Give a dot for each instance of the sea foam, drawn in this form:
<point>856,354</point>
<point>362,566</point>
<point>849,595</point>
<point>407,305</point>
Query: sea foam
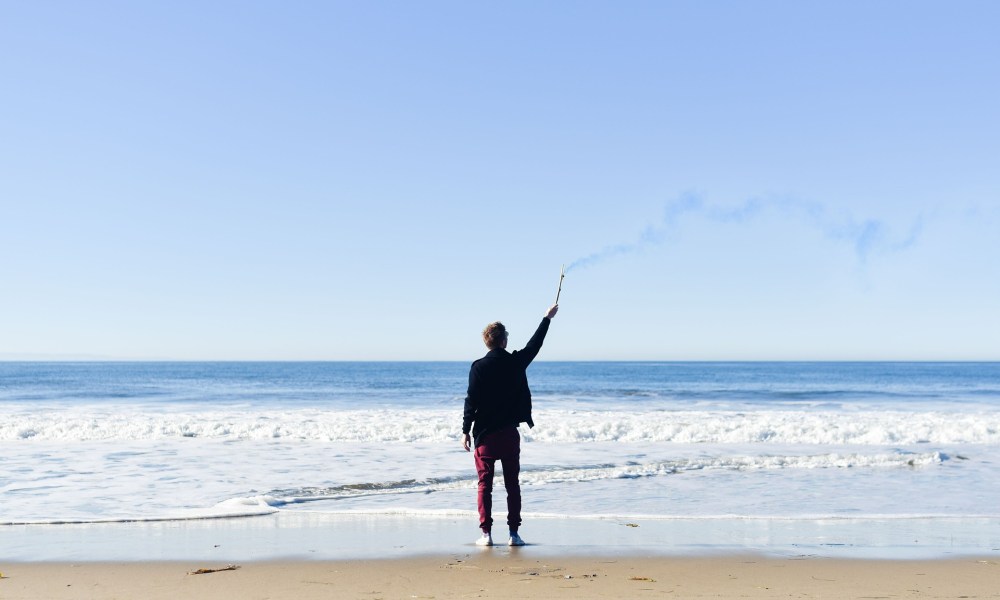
<point>553,426</point>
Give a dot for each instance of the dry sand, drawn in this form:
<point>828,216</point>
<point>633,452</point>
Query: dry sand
<point>503,574</point>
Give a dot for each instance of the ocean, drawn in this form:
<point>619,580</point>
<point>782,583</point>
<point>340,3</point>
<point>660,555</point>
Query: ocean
<point>126,442</point>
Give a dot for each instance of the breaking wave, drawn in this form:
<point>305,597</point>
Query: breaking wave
<point>553,426</point>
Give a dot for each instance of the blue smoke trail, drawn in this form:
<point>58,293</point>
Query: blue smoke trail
<point>867,237</point>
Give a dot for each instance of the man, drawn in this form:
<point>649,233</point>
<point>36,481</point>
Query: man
<point>497,402</point>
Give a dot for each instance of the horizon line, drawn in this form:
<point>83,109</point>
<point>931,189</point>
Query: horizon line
<point>97,360</point>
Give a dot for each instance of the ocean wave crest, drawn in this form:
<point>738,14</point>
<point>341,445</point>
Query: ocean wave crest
<point>553,426</point>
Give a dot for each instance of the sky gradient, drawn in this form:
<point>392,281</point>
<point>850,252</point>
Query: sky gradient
<point>377,181</point>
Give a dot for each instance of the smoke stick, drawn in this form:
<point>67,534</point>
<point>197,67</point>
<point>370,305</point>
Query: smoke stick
<point>562,274</point>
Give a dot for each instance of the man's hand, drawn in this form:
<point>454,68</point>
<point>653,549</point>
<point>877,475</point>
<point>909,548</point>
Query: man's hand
<point>466,442</point>
<point>552,311</point>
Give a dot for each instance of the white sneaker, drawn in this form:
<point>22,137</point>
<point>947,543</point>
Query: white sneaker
<point>485,540</point>
<point>515,540</point>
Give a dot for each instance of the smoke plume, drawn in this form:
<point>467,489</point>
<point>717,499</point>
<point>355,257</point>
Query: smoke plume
<point>867,236</point>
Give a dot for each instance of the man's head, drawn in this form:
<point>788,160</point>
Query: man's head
<point>495,335</point>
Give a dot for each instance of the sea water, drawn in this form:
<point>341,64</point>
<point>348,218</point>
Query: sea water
<point>117,442</point>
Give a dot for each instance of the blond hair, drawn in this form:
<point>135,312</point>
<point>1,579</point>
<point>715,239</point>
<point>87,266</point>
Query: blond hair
<point>494,335</point>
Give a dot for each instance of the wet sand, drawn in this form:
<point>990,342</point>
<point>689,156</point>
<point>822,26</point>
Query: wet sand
<point>506,573</point>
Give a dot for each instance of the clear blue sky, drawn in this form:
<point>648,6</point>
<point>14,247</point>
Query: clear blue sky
<point>378,180</point>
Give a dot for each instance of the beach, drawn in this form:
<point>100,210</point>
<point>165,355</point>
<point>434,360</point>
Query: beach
<point>280,285</point>
<point>301,556</point>
<point>723,480</point>
<point>510,574</point>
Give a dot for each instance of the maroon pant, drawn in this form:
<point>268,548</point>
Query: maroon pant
<point>505,446</point>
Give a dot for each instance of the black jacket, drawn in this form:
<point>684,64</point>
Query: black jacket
<point>498,394</point>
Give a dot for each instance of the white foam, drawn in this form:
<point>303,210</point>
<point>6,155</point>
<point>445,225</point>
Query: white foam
<point>228,509</point>
<point>554,426</point>
<point>538,476</point>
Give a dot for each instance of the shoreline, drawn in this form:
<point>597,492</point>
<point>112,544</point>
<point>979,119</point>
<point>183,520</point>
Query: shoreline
<point>307,536</point>
<point>305,555</point>
<point>511,573</point>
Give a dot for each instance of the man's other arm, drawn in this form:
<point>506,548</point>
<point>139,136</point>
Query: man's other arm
<point>469,414</point>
